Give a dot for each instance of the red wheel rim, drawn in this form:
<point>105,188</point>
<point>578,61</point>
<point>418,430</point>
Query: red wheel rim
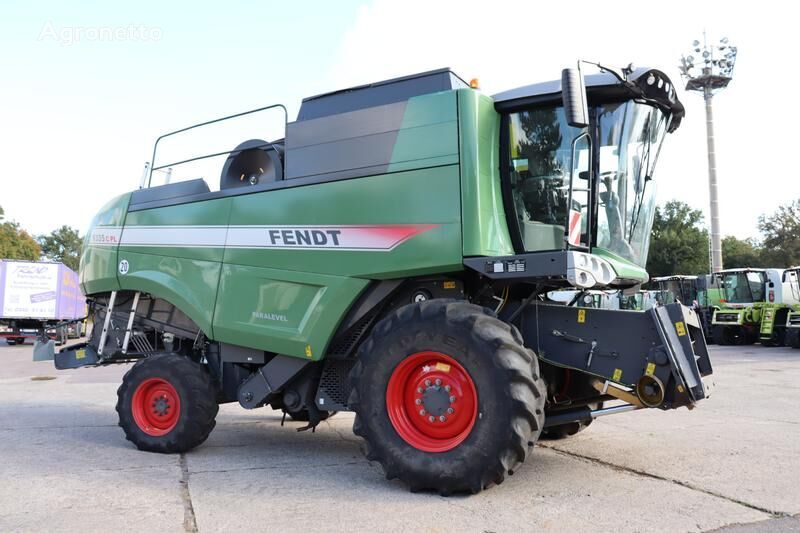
<point>431,401</point>
<point>156,407</point>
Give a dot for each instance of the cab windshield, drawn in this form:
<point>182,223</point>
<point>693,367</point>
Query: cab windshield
<point>793,278</point>
<point>550,186</point>
<point>744,287</point>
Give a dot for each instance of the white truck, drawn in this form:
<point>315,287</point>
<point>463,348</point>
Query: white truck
<point>37,298</point>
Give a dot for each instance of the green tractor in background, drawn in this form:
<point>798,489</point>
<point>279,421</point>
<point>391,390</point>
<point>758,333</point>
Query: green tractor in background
<point>754,306</point>
<point>390,256</point>
<point>791,277</point>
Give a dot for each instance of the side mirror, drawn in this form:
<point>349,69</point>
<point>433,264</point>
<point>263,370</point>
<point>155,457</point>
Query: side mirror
<point>573,93</point>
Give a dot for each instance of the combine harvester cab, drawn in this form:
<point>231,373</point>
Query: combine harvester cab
<point>754,306</point>
<point>391,255</point>
<point>792,278</point>
<point>697,292</point>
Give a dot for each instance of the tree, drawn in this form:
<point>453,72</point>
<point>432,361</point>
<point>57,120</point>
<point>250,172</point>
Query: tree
<point>15,242</point>
<point>679,242</point>
<point>781,233</point>
<point>62,245</point>
<point>542,141</point>
<point>737,253</point>
<point>539,145</point>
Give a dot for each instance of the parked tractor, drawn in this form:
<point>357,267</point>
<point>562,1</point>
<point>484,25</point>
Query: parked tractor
<point>390,256</point>
<point>755,307</point>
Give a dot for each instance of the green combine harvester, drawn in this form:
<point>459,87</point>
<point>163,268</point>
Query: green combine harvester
<point>390,256</point>
<point>754,306</point>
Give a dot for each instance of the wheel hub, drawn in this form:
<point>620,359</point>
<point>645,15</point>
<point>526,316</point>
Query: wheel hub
<point>161,406</point>
<point>431,401</point>
<point>156,407</point>
<point>436,400</point>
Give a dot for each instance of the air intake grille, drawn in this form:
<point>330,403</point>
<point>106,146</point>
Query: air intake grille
<point>343,344</point>
<point>334,386</point>
<point>730,318</point>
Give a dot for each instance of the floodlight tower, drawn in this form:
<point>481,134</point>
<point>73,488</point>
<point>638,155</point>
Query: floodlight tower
<point>710,69</point>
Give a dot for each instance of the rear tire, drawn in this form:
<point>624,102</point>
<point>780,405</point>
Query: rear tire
<point>167,404</point>
<point>480,386</point>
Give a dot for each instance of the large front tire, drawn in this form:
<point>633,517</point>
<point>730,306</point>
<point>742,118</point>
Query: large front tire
<point>778,338</point>
<point>725,336</point>
<point>793,338</point>
<point>446,397</point>
<point>167,404</point>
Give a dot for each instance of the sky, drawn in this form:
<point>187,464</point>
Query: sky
<point>86,88</point>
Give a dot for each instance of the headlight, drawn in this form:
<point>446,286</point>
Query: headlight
<point>587,270</point>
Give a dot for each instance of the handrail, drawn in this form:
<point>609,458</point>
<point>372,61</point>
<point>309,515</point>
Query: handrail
<point>155,146</point>
<point>580,245</point>
<point>208,156</point>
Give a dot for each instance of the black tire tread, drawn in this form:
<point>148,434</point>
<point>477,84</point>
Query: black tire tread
<point>202,396</point>
<point>724,337</point>
<point>521,367</point>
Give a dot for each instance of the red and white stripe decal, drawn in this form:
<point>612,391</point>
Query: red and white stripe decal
<point>574,227</point>
<point>350,237</point>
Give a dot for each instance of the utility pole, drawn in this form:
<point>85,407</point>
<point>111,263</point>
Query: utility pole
<point>710,72</point>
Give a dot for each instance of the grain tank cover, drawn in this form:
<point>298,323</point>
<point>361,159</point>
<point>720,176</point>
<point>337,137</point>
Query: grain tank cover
<point>379,93</point>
